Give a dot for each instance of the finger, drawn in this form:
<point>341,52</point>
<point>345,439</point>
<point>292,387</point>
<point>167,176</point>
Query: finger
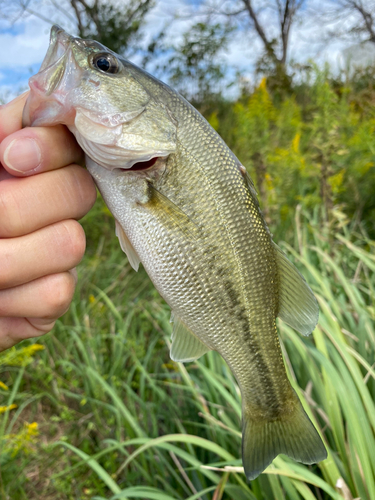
<point>14,330</point>
<point>50,250</point>
<point>4,174</point>
<point>31,203</point>
<point>47,298</point>
<point>11,115</point>
<point>39,149</point>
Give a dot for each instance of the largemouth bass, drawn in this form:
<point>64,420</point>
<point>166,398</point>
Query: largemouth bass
<point>186,209</point>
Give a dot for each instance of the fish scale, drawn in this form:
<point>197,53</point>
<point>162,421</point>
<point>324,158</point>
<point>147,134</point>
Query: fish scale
<point>192,218</point>
<point>243,226</point>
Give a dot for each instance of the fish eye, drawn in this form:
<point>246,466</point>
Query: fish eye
<point>105,62</point>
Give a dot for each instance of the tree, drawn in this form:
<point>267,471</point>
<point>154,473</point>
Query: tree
<point>271,21</point>
<point>351,19</point>
<point>115,24</point>
<point>192,68</point>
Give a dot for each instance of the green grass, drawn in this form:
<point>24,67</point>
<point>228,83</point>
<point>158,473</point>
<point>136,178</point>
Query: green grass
<point>117,419</point>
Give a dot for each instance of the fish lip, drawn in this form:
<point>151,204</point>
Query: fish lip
<point>41,107</point>
<point>43,114</point>
<point>47,103</point>
<point>58,39</point>
<point>57,31</point>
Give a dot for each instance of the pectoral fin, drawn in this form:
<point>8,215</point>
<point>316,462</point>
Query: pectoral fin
<point>298,307</point>
<point>176,215</point>
<point>185,345</point>
<point>127,247</point>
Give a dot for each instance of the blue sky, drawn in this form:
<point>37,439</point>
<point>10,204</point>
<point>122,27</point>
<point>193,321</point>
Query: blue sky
<point>27,40</point>
<point>24,45</point>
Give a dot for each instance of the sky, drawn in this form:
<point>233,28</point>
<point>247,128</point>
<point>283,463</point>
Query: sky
<point>26,41</point>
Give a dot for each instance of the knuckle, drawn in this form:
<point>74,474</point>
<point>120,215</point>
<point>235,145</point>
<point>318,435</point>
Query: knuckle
<point>7,263</point>
<point>59,294</point>
<point>86,190</point>
<point>71,240</point>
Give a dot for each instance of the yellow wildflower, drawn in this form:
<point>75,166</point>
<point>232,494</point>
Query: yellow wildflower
<point>263,83</point>
<point>24,440</point>
<point>35,347</point>
<point>20,357</point>
<point>295,142</point>
<point>3,409</point>
<point>336,181</point>
<point>32,429</point>
<point>3,386</point>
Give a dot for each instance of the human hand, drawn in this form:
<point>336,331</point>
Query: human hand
<point>40,240</point>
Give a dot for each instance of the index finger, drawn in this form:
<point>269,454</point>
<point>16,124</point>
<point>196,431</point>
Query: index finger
<point>11,115</point>
<point>33,150</point>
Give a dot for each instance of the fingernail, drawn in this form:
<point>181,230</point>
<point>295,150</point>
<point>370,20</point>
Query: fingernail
<point>23,155</point>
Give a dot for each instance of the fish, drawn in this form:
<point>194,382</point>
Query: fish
<point>186,208</point>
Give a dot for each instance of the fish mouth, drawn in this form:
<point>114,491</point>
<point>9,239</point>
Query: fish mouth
<point>58,44</point>
<point>47,102</point>
<point>152,164</point>
<point>142,165</point>
<point>66,90</point>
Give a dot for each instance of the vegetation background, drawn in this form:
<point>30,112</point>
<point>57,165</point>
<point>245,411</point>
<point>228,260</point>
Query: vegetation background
<point>97,410</point>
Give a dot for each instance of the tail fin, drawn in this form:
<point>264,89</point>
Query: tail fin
<point>293,435</point>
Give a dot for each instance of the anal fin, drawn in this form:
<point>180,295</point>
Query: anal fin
<point>127,247</point>
<point>185,345</point>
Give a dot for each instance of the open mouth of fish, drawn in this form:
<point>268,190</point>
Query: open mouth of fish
<point>46,104</point>
<point>143,165</point>
<point>113,139</point>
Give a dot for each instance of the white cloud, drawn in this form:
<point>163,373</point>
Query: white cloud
<point>27,48</point>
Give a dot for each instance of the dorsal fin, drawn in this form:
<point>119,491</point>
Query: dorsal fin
<point>185,345</point>
<point>298,307</point>
<point>249,181</point>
